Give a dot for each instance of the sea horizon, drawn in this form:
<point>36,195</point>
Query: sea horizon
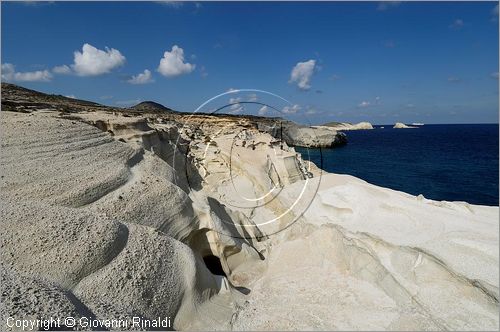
<point>222,166</point>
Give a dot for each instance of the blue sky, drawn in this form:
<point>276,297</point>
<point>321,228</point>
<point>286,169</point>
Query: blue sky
<point>430,62</point>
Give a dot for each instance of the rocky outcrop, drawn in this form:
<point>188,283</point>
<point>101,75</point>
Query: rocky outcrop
<point>81,232</point>
<point>303,136</point>
<point>19,99</point>
<point>349,126</point>
<point>400,125</point>
<point>216,224</point>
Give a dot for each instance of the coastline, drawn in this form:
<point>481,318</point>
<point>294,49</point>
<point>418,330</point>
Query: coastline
<point>142,210</point>
<point>437,162</point>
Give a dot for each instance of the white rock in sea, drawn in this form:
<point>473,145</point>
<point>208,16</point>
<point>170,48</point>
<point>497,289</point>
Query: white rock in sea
<point>400,125</point>
<point>303,136</point>
<point>108,216</point>
<point>349,126</point>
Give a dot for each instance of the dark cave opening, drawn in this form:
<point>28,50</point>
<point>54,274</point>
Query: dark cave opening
<point>213,264</point>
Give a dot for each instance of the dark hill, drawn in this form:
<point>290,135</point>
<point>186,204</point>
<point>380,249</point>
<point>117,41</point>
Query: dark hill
<point>151,107</point>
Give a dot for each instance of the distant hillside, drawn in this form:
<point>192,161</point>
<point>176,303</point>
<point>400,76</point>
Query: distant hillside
<point>151,107</point>
<point>17,98</point>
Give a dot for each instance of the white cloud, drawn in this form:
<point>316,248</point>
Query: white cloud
<point>172,64</point>
<point>92,61</point>
<point>252,97</point>
<point>494,75</point>
<point>236,107</point>
<point>63,70</point>
<point>291,110</point>
<point>236,110</point>
<point>384,5</point>
<point>141,78</point>
<point>263,110</point>
<point>203,72</point>
<point>105,97</point>
<point>453,79</point>
<point>311,111</point>
<point>494,11</point>
<point>232,90</point>
<point>364,104</point>
<point>9,74</point>
<point>70,96</point>
<point>457,24</point>
<point>173,4</point>
<point>302,74</point>
<point>234,100</point>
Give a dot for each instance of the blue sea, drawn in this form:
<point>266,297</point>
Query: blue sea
<point>442,162</point>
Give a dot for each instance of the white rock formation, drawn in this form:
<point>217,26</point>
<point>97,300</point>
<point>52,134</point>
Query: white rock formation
<point>373,258</point>
<point>400,125</point>
<point>349,126</point>
<point>114,216</point>
<point>303,136</point>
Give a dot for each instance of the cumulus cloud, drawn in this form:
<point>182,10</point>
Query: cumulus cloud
<point>172,64</point>
<point>141,78</point>
<point>291,109</point>
<point>235,107</point>
<point>63,70</point>
<point>302,73</point>
<point>234,100</point>
<point>9,74</point>
<point>385,5</point>
<point>92,61</point>
<point>457,24</point>
<point>366,103</point>
<point>263,110</point>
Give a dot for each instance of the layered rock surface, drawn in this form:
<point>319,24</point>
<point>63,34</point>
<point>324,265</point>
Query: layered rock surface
<point>303,136</point>
<point>219,225</point>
